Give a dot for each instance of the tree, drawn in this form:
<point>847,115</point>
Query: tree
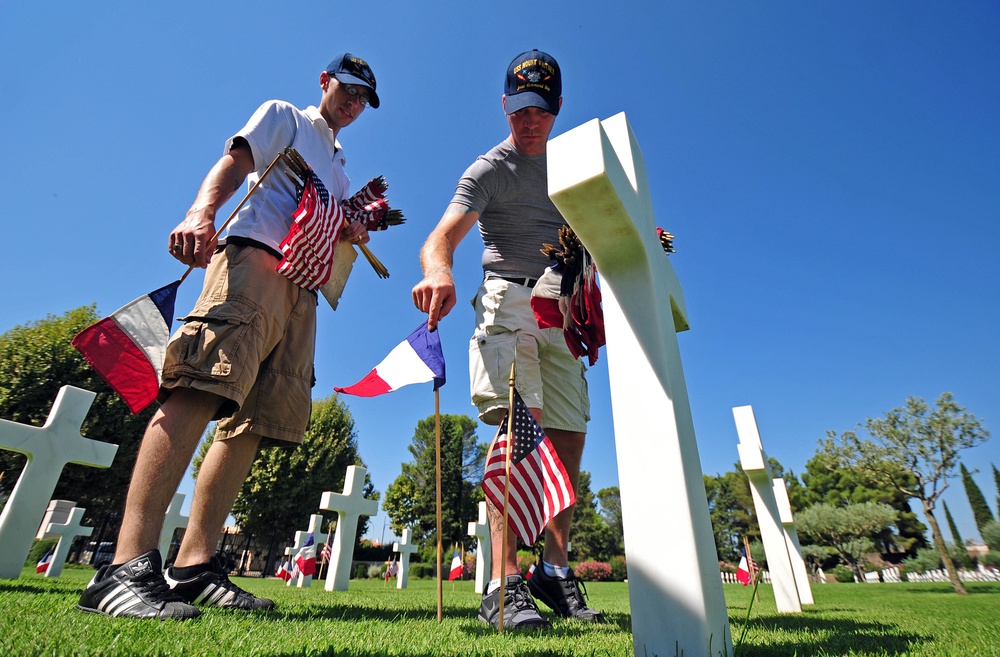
<point>825,480</point>
<point>917,441</point>
<point>591,537</point>
<point>285,484</point>
<point>610,500</point>
<point>996,480</point>
<point>35,361</point>
<point>980,509</point>
<point>847,529</point>
<point>410,499</point>
<point>955,536</point>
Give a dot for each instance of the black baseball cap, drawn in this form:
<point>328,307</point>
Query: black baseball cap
<point>533,80</point>
<point>353,70</point>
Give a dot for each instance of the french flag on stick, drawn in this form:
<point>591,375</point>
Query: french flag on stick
<point>417,359</point>
<point>127,348</point>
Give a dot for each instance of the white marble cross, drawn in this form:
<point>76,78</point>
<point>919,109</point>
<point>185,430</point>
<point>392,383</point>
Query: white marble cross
<point>172,521</point>
<point>350,506</point>
<point>58,511</point>
<point>481,530</point>
<point>754,463</point>
<point>48,449</point>
<point>597,180</point>
<point>315,526</point>
<point>405,549</point>
<point>802,584</point>
<point>66,532</point>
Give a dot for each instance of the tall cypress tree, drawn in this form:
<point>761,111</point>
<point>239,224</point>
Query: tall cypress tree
<point>980,509</point>
<point>996,478</point>
<point>955,536</point>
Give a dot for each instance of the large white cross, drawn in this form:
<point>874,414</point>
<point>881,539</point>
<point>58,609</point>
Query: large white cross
<point>802,584</point>
<point>48,449</point>
<point>66,531</point>
<point>597,180</point>
<point>754,463</point>
<point>405,549</point>
<point>350,506</point>
<point>172,521</point>
<point>481,530</point>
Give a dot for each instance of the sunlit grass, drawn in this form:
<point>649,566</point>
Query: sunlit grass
<point>37,617</point>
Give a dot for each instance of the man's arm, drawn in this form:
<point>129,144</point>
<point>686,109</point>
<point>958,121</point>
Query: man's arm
<point>191,242</point>
<point>435,295</point>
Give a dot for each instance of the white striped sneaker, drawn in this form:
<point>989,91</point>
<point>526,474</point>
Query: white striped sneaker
<point>135,590</point>
<point>212,588</point>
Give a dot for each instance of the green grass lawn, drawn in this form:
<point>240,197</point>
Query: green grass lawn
<point>37,617</point>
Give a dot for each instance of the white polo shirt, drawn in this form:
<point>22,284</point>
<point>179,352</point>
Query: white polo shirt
<point>275,125</point>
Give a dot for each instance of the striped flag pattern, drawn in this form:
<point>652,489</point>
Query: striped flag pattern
<point>539,485</point>
<point>316,226</point>
<point>127,348</point>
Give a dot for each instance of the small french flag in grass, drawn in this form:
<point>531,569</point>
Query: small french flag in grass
<point>417,359</point>
<point>127,348</point>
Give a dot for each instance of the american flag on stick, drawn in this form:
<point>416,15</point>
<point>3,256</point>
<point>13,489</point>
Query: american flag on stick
<point>539,485</point>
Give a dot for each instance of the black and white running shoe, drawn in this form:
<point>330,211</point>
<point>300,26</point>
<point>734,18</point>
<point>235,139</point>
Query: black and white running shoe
<point>212,588</point>
<point>519,612</point>
<point>135,590</point>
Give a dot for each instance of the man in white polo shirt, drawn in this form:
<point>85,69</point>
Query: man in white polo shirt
<point>244,356</point>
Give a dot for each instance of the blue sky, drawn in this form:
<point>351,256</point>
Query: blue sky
<point>831,172</point>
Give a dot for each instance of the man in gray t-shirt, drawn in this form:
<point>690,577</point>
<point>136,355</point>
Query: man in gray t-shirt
<point>505,191</point>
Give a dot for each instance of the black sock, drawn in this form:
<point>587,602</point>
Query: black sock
<point>187,572</point>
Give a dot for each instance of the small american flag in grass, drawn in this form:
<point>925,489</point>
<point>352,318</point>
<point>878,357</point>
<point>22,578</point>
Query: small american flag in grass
<point>539,486</point>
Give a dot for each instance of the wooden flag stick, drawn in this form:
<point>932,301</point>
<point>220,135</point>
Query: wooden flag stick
<point>238,207</point>
<point>437,447</point>
<point>322,565</point>
<point>506,499</point>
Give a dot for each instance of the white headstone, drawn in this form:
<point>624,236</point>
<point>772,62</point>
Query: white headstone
<point>58,512</point>
<point>405,549</point>
<point>315,527</point>
<point>597,180</point>
<point>350,506</point>
<point>172,521</point>
<point>293,552</point>
<point>481,530</point>
<point>802,584</point>
<point>66,531</point>
<point>48,449</point>
<point>772,534</point>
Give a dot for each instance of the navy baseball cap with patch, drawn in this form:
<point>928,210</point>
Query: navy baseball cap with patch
<point>533,80</point>
<point>353,70</point>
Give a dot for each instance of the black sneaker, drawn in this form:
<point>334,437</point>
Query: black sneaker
<point>212,588</point>
<point>135,590</point>
<point>519,609</point>
<point>563,596</point>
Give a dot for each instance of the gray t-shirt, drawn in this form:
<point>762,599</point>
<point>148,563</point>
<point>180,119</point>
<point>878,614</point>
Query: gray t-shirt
<point>510,192</point>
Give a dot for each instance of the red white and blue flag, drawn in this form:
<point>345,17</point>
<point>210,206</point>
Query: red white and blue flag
<point>325,553</point>
<point>539,485</point>
<point>306,559</point>
<point>44,563</point>
<point>127,347</point>
<point>745,571</point>
<point>456,567</point>
<point>531,571</point>
<point>283,572</point>
<point>417,359</point>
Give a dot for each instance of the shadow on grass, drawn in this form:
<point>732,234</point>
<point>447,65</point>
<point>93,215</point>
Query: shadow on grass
<point>805,635</point>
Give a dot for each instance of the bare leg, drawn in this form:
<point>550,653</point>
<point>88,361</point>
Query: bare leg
<point>219,480</point>
<point>569,447</point>
<point>167,446</point>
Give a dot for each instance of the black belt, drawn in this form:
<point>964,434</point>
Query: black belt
<point>248,241</point>
<point>526,282</point>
